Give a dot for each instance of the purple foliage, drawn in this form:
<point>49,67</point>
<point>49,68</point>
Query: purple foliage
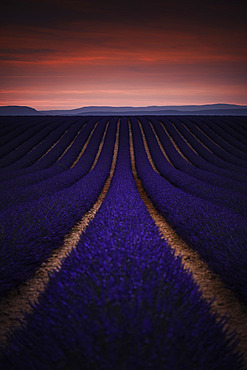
<point>221,138</point>
<point>217,235</point>
<point>27,177</point>
<point>232,200</point>
<point>10,198</point>
<point>17,149</point>
<point>35,149</point>
<point>30,232</point>
<point>213,162</point>
<point>198,160</point>
<point>229,160</point>
<point>12,129</point>
<point>194,168</point>
<point>235,128</point>
<point>121,300</point>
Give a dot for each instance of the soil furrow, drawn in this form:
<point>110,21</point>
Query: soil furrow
<point>208,137</point>
<point>180,134</point>
<point>100,147</point>
<point>160,145</point>
<point>147,149</point>
<point>19,301</point>
<point>224,302</point>
<point>195,137</point>
<point>72,142</point>
<point>214,142</point>
<point>53,145</point>
<point>40,142</point>
<point>84,146</point>
<point>175,145</point>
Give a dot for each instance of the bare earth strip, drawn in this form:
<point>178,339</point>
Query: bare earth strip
<point>225,304</point>
<point>18,302</point>
<point>100,147</point>
<point>24,142</point>
<point>72,142</point>
<point>196,138</point>
<point>146,148</point>
<point>209,138</point>
<point>33,147</point>
<point>160,145</point>
<point>52,146</point>
<point>226,161</point>
<point>180,134</point>
<point>85,145</point>
<point>174,144</point>
<point>212,140</point>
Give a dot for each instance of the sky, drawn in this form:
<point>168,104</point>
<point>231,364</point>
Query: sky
<point>69,53</point>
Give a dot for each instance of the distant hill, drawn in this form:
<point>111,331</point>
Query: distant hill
<point>213,109</point>
<point>16,110</point>
<point>207,109</point>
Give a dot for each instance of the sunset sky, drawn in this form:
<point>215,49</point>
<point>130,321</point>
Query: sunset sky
<point>70,53</point>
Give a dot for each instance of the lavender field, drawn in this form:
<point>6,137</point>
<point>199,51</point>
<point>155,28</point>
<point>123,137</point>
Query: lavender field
<point>123,242</point>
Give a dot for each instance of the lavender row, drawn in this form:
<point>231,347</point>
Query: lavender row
<point>24,142</point>
<point>212,129</point>
<point>15,138</point>
<point>121,300</point>
<point>34,155</point>
<point>45,144</point>
<point>8,125</point>
<point>11,198</point>
<point>64,135</point>
<point>229,159</point>
<point>242,124</point>
<point>30,233</point>
<point>27,177</point>
<point>12,127</point>
<point>22,152</point>
<point>217,129</point>
<point>196,159</point>
<point>218,237</point>
<point>23,133</point>
<point>203,151</point>
<point>52,155</point>
<point>189,168</point>
<point>234,201</point>
<point>230,127</point>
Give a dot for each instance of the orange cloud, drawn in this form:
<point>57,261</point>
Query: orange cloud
<point>142,58</point>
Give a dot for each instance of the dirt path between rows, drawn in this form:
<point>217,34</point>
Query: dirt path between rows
<point>225,303</point>
<point>84,146</point>
<point>160,145</point>
<point>70,145</point>
<point>18,302</point>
